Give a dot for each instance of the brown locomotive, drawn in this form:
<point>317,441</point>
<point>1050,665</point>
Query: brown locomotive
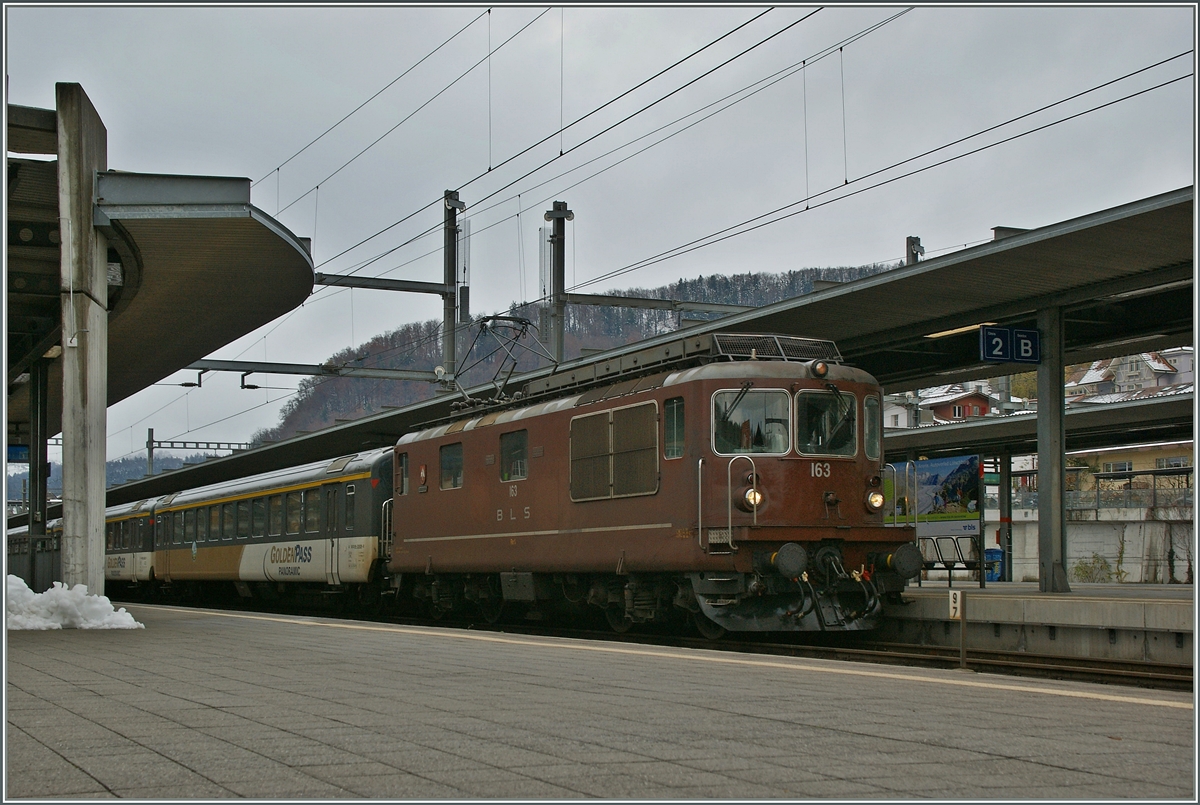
<point>735,478</point>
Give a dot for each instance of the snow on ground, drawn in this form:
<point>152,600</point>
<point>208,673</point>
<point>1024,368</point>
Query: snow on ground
<point>60,608</point>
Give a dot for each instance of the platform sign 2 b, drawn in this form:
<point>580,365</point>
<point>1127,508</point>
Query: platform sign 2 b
<point>1009,345</point>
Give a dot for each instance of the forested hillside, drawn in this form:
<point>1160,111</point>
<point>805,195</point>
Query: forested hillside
<point>321,401</point>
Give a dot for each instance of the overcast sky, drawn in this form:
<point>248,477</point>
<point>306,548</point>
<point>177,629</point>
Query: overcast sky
<point>238,91</point>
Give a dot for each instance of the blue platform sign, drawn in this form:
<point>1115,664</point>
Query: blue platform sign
<point>1027,346</point>
<point>18,454</point>
<point>995,344</point>
<point>1008,345</point>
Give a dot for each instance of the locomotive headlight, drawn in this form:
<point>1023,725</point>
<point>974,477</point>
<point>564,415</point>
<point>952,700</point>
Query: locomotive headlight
<point>874,500</point>
<point>819,368</point>
<point>749,499</point>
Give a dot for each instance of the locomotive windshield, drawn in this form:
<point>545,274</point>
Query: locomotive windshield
<point>747,421</point>
<point>826,423</point>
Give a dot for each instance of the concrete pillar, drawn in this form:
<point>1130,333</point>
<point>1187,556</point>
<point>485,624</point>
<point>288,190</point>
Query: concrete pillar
<point>1052,440</point>
<point>82,150</point>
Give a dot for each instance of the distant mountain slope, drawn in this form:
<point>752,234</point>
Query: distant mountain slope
<point>321,401</point>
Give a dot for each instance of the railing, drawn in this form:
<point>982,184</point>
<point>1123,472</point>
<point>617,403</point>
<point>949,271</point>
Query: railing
<point>1107,494</point>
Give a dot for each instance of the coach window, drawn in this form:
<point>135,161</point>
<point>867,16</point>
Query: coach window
<point>259,524</point>
<point>177,532</point>
<point>189,525</point>
<point>452,465</point>
<point>108,545</point>
<point>275,515</point>
<point>312,511</point>
<point>402,466</point>
<point>871,427</point>
<point>513,456</point>
<point>673,428</point>
<point>243,519</point>
<point>228,521</point>
<point>214,523</point>
<point>349,507</point>
<point>201,524</point>
<point>293,512</point>
<point>825,423</point>
<point>751,421</point>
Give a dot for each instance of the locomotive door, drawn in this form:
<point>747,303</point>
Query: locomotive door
<point>329,507</point>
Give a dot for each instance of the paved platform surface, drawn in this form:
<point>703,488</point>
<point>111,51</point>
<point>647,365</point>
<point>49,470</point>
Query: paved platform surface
<point>204,704</point>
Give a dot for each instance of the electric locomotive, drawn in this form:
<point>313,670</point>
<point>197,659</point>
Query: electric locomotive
<point>735,479</point>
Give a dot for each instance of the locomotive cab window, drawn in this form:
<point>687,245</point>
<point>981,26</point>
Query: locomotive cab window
<point>872,427</point>
<point>751,421</point>
<point>826,423</point>
<point>452,465</point>
<point>673,428</point>
<point>514,456</point>
<point>402,477</point>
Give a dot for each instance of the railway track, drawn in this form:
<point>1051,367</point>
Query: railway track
<point>1160,676</point>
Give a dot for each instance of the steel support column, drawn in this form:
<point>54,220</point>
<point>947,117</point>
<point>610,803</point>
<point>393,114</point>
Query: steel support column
<point>450,280</point>
<point>558,292</point>
<point>1051,440</point>
<point>1005,462</point>
<point>82,150</point>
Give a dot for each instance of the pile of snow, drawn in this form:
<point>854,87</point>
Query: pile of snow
<point>60,608</point>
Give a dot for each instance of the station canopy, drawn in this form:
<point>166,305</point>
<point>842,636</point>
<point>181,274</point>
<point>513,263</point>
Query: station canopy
<point>192,266</point>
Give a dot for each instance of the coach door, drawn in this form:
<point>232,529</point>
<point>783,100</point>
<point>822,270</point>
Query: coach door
<point>329,506</point>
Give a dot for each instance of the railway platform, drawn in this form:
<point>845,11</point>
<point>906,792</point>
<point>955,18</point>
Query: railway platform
<point>1131,622</point>
<point>215,704</point>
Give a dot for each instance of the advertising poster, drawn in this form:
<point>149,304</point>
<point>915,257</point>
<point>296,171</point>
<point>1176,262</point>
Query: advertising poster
<point>947,502</point>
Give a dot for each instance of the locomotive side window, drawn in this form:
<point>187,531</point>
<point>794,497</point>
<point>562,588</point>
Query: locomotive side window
<point>349,507</point>
<point>293,512</point>
<point>673,427</point>
<point>751,421</point>
<point>312,511</point>
<point>452,465</point>
<point>275,516</point>
<point>259,525</point>
<point>826,423</point>
<point>615,453</point>
<point>872,426</point>
<point>514,465</point>
<point>402,468</point>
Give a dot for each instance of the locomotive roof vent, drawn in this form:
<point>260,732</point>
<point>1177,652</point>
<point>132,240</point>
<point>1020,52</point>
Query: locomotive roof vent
<point>774,347</point>
<point>339,464</point>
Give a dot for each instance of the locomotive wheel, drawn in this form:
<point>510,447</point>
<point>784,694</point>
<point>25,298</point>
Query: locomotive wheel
<point>617,620</point>
<point>492,609</point>
<point>706,627</point>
